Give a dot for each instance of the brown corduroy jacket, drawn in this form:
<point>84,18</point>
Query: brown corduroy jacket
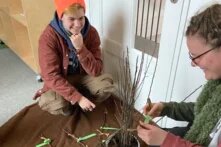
<point>54,60</point>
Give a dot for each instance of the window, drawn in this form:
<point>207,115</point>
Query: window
<point>148,25</point>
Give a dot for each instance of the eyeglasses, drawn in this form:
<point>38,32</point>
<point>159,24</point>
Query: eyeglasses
<point>194,58</point>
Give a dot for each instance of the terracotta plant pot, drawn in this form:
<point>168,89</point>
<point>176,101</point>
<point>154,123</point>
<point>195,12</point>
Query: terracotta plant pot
<point>113,141</point>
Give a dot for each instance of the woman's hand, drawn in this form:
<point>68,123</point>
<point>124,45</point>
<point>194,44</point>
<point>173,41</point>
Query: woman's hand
<point>150,134</point>
<point>86,104</point>
<point>153,110</point>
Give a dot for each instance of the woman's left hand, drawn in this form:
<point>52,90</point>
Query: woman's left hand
<point>150,134</point>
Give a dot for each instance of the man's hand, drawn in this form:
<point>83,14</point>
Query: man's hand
<point>150,134</point>
<point>77,41</point>
<point>85,104</point>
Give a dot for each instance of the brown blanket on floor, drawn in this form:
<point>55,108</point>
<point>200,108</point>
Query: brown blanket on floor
<point>26,127</point>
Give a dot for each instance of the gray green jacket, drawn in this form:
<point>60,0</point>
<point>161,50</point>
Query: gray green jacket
<point>202,115</point>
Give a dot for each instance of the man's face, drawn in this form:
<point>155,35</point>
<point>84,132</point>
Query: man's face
<point>205,57</point>
<point>74,23</point>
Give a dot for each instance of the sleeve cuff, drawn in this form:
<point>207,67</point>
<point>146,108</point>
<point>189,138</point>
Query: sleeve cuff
<point>75,98</point>
<point>166,109</point>
<point>168,140</point>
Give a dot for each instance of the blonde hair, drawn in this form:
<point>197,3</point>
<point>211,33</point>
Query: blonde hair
<point>207,24</point>
<point>72,9</point>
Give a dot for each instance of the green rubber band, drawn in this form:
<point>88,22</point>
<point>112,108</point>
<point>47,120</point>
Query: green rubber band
<point>46,141</point>
<point>147,118</point>
<point>86,137</point>
<point>109,128</point>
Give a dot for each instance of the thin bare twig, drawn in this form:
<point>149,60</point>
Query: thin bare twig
<point>128,89</point>
<point>119,122</point>
<point>102,133</point>
<point>43,137</point>
<point>151,84</point>
<point>131,130</point>
<point>105,117</point>
<point>75,138</point>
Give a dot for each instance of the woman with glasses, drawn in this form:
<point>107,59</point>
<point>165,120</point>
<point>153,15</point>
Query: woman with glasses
<point>204,116</point>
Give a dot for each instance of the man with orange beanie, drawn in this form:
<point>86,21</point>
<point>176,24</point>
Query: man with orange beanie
<point>69,49</point>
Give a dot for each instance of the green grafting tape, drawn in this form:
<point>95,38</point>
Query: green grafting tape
<point>147,118</point>
<point>109,128</point>
<point>86,137</point>
<point>46,141</point>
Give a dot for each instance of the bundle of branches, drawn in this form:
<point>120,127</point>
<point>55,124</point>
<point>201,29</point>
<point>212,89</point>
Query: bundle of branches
<point>129,86</point>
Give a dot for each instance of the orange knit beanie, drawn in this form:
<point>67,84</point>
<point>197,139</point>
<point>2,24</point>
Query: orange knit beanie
<point>61,5</point>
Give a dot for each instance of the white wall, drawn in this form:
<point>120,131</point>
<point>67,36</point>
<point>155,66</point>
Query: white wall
<point>175,78</point>
<point>116,26</point>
